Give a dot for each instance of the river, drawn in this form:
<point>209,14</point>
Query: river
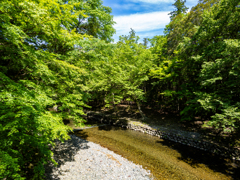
<point>165,159</point>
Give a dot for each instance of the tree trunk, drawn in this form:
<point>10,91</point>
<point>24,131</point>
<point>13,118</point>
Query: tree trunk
<point>114,106</point>
<point>139,108</point>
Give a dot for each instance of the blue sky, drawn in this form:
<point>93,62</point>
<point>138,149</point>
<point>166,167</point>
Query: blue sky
<point>147,17</point>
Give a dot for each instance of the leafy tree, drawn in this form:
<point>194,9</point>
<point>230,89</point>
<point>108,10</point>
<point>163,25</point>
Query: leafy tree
<point>158,48</point>
<point>145,42</point>
<point>180,8</point>
<point>121,75</point>
<point>132,38</point>
<point>185,25</point>
<point>213,55</point>
<point>178,79</point>
<point>95,19</point>
<point>93,56</point>
<point>173,76</point>
<point>39,87</point>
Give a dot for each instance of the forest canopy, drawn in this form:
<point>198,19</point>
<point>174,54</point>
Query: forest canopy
<point>57,58</point>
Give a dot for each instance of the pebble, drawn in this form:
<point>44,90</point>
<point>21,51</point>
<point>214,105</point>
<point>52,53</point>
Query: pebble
<point>79,159</point>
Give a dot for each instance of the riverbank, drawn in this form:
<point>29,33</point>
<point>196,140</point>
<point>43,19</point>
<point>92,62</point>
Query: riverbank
<point>165,159</point>
<point>167,130</point>
<point>83,160</point>
<point>70,168</point>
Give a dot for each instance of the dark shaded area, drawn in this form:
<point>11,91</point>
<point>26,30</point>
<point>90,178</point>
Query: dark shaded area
<point>196,157</point>
<point>81,134</point>
<point>66,121</point>
<point>64,152</point>
<point>164,118</point>
<point>110,128</point>
<point>106,118</point>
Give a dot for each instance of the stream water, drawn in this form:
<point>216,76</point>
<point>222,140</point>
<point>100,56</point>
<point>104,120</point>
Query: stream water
<point>165,159</point>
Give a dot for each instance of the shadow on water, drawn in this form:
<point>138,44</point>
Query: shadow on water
<point>198,158</point>
<point>81,134</point>
<point>110,128</point>
<point>65,152</point>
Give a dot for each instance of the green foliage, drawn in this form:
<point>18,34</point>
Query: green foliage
<point>95,19</point>
<point>121,74</point>
<point>39,85</point>
<point>180,8</point>
<point>228,120</point>
<point>217,55</point>
<point>51,65</point>
<point>158,48</point>
<point>185,25</point>
<point>26,128</point>
<point>196,64</point>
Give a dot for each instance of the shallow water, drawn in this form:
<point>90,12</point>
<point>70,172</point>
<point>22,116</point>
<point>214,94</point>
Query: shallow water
<point>165,159</point>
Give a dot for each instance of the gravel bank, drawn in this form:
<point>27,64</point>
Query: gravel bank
<point>79,159</point>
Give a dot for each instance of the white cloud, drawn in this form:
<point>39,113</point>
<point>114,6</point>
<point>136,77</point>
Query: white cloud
<point>141,22</point>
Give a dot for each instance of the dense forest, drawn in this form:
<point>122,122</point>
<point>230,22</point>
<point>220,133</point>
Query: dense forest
<point>57,58</point>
